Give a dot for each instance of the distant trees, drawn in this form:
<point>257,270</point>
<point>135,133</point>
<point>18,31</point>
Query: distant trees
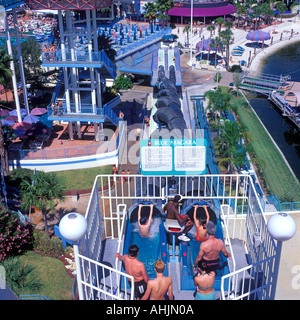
<point>158,10</point>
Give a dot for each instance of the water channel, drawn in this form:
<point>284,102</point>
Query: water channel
<point>284,62</point>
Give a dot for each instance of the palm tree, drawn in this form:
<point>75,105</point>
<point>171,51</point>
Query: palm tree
<point>219,21</point>
<point>42,193</point>
<point>5,71</point>
<point>229,145</point>
<point>281,7</point>
<point>187,29</point>
<point>211,28</point>
<point>150,11</point>
<point>239,11</point>
<point>216,44</point>
<point>218,101</point>
<point>227,37</point>
<point>104,44</point>
<point>162,7</point>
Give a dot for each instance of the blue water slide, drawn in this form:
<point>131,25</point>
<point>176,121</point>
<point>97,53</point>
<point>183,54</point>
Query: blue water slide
<point>190,252</point>
<point>151,248</point>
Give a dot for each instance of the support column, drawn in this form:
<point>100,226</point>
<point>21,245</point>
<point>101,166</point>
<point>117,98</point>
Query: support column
<point>21,67</point>
<point>63,52</point>
<point>96,131</point>
<point>12,67</point>
<point>71,130</point>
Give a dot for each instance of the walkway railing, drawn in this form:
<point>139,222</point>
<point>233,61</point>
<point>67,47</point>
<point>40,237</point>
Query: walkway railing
<point>81,57</point>
<point>256,280</point>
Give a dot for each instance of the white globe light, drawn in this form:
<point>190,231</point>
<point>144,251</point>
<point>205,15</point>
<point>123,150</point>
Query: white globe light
<point>281,226</point>
<point>73,226</point>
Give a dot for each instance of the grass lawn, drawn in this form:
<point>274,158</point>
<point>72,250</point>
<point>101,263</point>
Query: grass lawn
<point>82,179</point>
<point>57,284</point>
<point>277,174</point>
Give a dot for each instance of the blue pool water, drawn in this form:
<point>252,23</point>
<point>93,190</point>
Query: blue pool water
<point>149,247</point>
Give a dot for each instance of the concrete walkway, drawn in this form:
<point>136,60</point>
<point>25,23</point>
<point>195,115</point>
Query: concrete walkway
<point>276,31</point>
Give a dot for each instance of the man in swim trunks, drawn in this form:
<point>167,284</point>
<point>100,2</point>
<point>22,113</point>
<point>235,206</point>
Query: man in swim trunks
<point>144,223</point>
<point>158,288</point>
<point>210,249</point>
<point>184,220</point>
<point>135,268</point>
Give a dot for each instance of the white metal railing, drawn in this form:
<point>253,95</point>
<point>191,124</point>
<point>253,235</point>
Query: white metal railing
<point>112,194</point>
<point>224,219</point>
<point>101,282</point>
<point>256,280</point>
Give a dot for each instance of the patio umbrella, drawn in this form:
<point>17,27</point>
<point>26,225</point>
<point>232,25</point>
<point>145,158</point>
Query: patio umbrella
<point>19,132</point>
<point>5,122</point>
<point>12,118</point>
<point>258,35</point>
<point>31,119</point>
<point>22,125</point>
<point>4,112</point>
<point>38,111</point>
<point>14,112</point>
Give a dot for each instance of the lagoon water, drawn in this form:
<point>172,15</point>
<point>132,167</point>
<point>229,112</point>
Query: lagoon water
<point>284,62</point>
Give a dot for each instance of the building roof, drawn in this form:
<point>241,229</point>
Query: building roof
<point>204,11</point>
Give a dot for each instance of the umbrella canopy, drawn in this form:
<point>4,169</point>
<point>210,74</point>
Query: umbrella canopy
<point>14,112</point>
<point>206,45</point>
<point>4,112</point>
<point>31,119</point>
<point>38,111</point>
<point>258,35</point>
<point>22,126</point>
<point>7,122</point>
<point>19,132</point>
<point>11,118</point>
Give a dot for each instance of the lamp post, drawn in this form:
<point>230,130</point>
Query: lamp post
<point>281,227</point>
<point>191,52</point>
<point>72,227</point>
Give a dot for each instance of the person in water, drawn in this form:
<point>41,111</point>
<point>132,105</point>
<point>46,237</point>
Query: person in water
<point>144,222</point>
<point>161,287</point>
<point>201,234</point>
<point>211,248</point>
<point>135,268</point>
<point>204,282</point>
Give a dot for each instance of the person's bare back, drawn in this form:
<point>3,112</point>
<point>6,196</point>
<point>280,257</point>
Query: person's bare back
<point>134,268</point>
<point>211,248</point>
<point>159,287</point>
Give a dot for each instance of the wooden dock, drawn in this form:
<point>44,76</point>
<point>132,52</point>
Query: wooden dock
<point>290,110</point>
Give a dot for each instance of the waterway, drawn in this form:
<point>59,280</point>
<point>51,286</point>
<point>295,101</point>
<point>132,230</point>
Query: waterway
<point>284,62</point>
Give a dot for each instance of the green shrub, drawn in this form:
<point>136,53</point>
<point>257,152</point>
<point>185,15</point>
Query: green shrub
<point>48,246</point>
<point>236,68</point>
<point>123,83</point>
<point>21,277</point>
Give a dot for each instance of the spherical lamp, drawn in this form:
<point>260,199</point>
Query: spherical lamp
<point>281,226</point>
<point>73,226</point>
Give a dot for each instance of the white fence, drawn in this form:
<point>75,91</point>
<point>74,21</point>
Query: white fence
<point>106,216</point>
<point>256,280</point>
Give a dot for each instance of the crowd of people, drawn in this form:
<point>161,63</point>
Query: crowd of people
<point>205,266</point>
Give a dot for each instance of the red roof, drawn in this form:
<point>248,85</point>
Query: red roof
<point>203,12</point>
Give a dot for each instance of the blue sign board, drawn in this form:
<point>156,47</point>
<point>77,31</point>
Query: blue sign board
<point>173,156</point>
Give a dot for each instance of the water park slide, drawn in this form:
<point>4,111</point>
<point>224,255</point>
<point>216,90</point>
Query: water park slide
<point>166,57</point>
<point>151,248</point>
<point>190,252</point>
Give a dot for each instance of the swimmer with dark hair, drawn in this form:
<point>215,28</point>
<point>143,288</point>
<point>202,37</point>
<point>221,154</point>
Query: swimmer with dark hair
<point>144,222</point>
